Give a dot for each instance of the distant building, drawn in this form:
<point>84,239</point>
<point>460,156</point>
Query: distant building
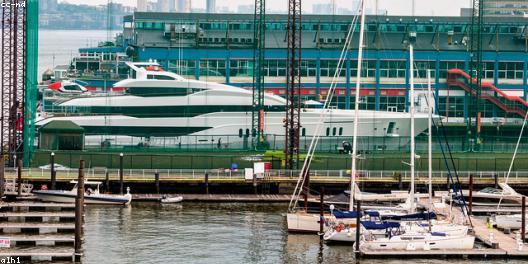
<point>142,5</point>
<point>223,9</point>
<point>505,8</point>
<point>322,9</point>
<point>246,9</point>
<point>163,6</point>
<point>211,6</point>
<point>466,12</point>
<point>48,5</point>
<point>183,6</point>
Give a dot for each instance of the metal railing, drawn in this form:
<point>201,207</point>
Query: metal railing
<point>226,174</point>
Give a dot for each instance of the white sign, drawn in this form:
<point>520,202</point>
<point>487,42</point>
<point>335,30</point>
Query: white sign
<point>248,174</point>
<point>5,242</point>
<point>259,169</point>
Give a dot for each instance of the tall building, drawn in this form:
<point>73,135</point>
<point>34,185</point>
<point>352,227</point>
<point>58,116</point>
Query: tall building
<point>246,9</point>
<point>322,9</point>
<point>163,6</point>
<point>183,6</point>
<point>211,6</point>
<point>48,5</point>
<point>505,7</point>
<point>142,5</point>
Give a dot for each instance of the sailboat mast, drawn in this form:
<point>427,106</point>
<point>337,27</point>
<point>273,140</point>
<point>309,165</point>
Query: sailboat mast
<point>411,109</point>
<point>356,106</point>
<point>430,138</point>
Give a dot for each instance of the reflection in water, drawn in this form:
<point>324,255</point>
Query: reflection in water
<point>207,233</point>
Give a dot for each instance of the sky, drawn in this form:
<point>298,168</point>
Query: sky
<point>394,7</point>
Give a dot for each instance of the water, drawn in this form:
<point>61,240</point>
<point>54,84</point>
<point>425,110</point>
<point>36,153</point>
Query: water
<point>207,233</point>
<point>58,47</point>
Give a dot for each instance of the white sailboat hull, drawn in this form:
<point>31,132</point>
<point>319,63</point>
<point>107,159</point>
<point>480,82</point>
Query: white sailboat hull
<point>423,243</point>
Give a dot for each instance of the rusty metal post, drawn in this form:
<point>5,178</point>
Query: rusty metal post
<point>53,173</point>
<point>19,176</point>
<point>157,181</point>
<point>2,176</point>
<point>471,194</point>
<point>523,219</point>
<point>321,212</point>
<point>121,173</point>
<point>79,211</point>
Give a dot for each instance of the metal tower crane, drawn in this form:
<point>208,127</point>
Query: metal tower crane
<point>293,82</point>
<point>475,68</point>
<point>259,32</point>
<point>18,78</point>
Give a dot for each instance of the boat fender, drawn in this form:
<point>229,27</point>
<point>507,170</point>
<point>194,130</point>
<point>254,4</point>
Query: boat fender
<point>340,227</point>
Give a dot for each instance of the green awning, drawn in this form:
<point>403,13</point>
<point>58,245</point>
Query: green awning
<point>61,126</point>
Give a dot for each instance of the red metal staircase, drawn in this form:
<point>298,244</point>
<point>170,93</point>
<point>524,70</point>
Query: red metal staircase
<point>508,103</point>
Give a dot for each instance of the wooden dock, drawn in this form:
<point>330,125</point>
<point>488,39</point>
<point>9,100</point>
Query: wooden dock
<point>37,231</point>
<point>221,198</point>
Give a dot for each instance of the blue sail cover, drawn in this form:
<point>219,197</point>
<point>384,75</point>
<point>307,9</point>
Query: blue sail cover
<point>371,225</point>
<point>410,217</point>
<point>346,214</point>
<point>373,213</point>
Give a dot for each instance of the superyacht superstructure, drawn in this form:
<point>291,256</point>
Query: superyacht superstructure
<point>159,104</point>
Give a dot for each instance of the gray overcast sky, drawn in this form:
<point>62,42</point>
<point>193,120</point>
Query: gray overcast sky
<point>394,7</point>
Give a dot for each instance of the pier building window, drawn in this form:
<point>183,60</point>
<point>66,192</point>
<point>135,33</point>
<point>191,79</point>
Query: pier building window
<point>328,68</point>
<point>241,68</point>
<point>421,67</point>
<point>392,69</point>
<point>183,67</point>
<point>452,106</point>
<point>391,103</point>
<point>447,65</point>
<point>275,68</point>
<point>510,70</point>
<point>309,68</point>
<point>212,68</point>
<point>368,68</point>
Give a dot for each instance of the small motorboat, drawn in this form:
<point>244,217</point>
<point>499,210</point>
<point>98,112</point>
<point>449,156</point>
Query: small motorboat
<point>91,196</point>
<point>165,199</point>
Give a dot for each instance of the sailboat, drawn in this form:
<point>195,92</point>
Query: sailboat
<point>413,239</point>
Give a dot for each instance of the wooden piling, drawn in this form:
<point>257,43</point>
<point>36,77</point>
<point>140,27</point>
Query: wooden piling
<point>2,176</point>
<point>79,211</point>
<point>496,177</point>
<point>470,194</point>
<point>53,173</point>
<point>523,219</point>
<point>19,176</point>
<point>321,212</point>
<point>121,173</point>
<point>107,181</point>
<point>157,181</point>
<point>255,184</point>
<point>206,183</point>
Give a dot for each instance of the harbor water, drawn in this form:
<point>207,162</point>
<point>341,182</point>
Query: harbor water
<point>209,233</point>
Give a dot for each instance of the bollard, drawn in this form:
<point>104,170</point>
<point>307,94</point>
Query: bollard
<point>206,183</point>
<point>107,181</point>
<point>358,227</point>
<point>79,211</point>
<point>53,173</point>
<point>2,176</point>
<point>157,180</point>
<point>471,194</point>
<point>321,213</point>
<point>19,176</point>
<point>121,173</point>
<point>523,219</point>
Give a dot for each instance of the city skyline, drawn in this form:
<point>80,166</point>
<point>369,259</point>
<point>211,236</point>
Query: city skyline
<point>394,7</point>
